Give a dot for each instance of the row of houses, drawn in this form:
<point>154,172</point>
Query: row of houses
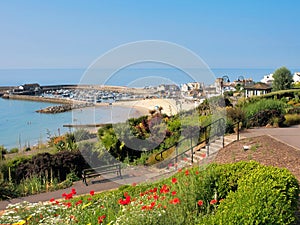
<point>268,79</point>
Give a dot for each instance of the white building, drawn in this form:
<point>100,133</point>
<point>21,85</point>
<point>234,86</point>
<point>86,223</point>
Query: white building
<point>268,79</point>
<point>296,77</point>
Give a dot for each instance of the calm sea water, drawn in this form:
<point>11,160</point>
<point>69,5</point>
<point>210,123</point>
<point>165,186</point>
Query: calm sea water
<point>21,125</point>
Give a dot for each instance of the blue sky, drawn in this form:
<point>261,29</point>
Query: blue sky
<point>225,34</point>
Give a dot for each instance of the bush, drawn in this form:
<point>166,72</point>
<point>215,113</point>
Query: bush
<point>253,108</point>
<point>82,135</point>
<point>265,117</point>
<point>263,195</point>
<point>13,150</point>
<point>292,119</point>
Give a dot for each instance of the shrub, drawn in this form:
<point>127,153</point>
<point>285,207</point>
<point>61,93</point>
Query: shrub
<point>265,117</point>
<point>13,150</point>
<point>292,119</point>
<point>253,108</point>
<point>295,110</point>
<point>264,195</point>
<point>82,135</point>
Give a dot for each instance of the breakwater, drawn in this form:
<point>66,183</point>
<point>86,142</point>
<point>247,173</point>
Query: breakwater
<point>38,99</point>
<point>63,108</point>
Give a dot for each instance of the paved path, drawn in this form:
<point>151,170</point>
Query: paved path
<point>130,175</point>
<point>288,135</point>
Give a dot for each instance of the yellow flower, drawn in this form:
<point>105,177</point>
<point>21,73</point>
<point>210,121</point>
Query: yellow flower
<point>89,224</point>
<point>29,217</point>
<point>20,222</point>
<point>86,205</point>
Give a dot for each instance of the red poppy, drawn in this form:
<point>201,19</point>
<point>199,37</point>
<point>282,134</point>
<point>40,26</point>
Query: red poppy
<point>69,196</point>
<point>52,200</point>
<point>78,203</point>
<point>197,172</point>
<point>125,201</point>
<point>186,172</point>
<point>175,201</point>
<point>133,184</point>
<point>214,201</point>
<point>73,191</point>
<point>200,202</point>
<point>174,193</point>
<point>164,189</point>
<point>92,193</point>
<point>174,180</point>
<point>101,218</point>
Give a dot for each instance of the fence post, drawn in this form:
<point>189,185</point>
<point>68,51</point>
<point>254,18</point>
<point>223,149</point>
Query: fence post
<point>176,158</point>
<point>192,152</point>
<point>238,131</point>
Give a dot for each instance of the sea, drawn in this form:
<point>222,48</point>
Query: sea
<point>21,126</point>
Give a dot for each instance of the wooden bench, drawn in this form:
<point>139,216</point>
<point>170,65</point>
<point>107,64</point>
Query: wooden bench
<point>98,171</point>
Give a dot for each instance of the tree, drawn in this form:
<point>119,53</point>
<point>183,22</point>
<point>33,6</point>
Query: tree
<point>282,79</point>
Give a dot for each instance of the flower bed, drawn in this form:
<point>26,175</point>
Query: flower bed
<point>213,195</point>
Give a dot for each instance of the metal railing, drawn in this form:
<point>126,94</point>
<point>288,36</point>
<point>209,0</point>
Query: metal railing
<point>211,131</point>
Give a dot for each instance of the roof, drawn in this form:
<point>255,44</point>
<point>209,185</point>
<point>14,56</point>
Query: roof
<point>259,86</point>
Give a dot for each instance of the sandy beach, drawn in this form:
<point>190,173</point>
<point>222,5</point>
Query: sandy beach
<point>169,106</point>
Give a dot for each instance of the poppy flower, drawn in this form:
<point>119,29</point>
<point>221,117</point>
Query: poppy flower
<point>101,218</point>
<point>78,203</point>
<point>125,201</point>
<point>92,193</point>
<point>214,201</point>
<point>200,203</point>
<point>73,191</point>
<point>174,180</point>
<point>174,193</point>
<point>175,201</point>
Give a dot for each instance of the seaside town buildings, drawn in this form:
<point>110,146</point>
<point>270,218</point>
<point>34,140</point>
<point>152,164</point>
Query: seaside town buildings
<point>193,91</point>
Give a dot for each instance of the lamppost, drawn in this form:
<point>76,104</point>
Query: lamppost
<point>224,79</point>
<point>241,78</point>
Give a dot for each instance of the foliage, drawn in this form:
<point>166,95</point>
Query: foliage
<point>13,150</point>
<point>239,193</point>
<point>8,190</point>
<point>267,195</point>
<point>262,118</point>
<point>283,79</point>
<point>44,164</point>
<point>3,151</point>
<point>82,135</point>
<point>252,108</point>
<point>292,119</point>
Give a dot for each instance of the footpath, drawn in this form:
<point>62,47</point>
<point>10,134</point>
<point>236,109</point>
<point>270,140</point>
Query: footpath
<point>130,175</point>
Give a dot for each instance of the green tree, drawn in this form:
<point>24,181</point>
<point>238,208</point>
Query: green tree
<point>282,79</point>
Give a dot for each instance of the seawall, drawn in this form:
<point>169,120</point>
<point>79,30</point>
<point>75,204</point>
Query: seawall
<point>38,99</point>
